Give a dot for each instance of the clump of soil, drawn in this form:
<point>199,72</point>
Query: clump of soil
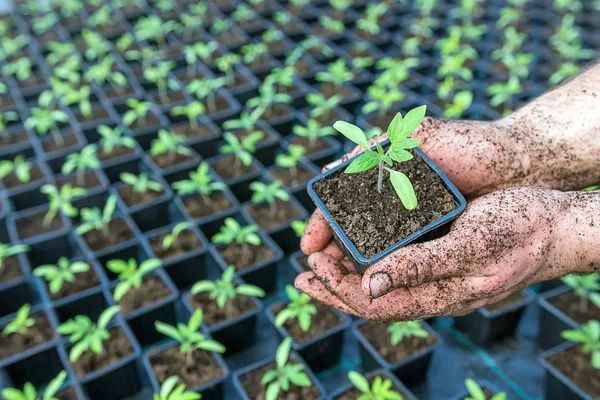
<point>354,393</point>
<point>507,302</point>
<point>323,321</point>
<point>11,269</point>
<point>229,168</point>
<point>234,254</point>
<point>311,148</point>
<point>133,198</point>
<point>257,391</point>
<point>152,290</point>
<point>40,333</point>
<point>577,367</point>
<point>200,208</point>
<point>378,336</point>
<point>375,221</point>
<point>270,218</point>
<point>115,348</point>
<point>204,367</point>
<point>214,315</point>
<point>83,281</point>
<point>118,232</point>
<point>186,241</point>
<point>11,181</point>
<point>31,225</point>
<point>568,303</point>
<point>290,180</point>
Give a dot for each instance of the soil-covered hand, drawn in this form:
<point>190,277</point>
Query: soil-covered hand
<point>502,243</point>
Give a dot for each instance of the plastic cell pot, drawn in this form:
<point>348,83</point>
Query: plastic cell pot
<point>487,387</point>
<point>231,109</point>
<point>113,249</point>
<point>28,195</point>
<point>432,230</point>
<point>240,185</point>
<point>552,320</point>
<point>208,220</point>
<point>406,394</point>
<point>126,162</point>
<point>206,144</point>
<point>298,188</point>
<point>330,151</point>
<point>484,326</point>
<point>18,291</point>
<point>246,85</point>
<point>55,157</point>
<point>284,123</point>
<point>559,386</point>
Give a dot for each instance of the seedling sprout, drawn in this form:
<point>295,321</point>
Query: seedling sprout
<point>63,271</point>
<point>299,308</point>
<point>21,323</point>
<point>285,373</point>
<point>130,274</point>
<point>223,290</point>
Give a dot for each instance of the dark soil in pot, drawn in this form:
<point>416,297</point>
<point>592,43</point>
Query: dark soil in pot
<point>190,132</point>
<point>115,349</point>
<point>577,367</point>
<point>118,151</point>
<point>170,98</point>
<point>69,140</point>
<point>214,315</point>
<point>204,367</point>
<point>354,393</point>
<point>234,254</point>
<point>329,89</point>
<point>83,281</point>
<point>291,180</point>
<point>239,79</point>
<point>373,229</point>
<point>31,225</point>
<point>11,181</point>
<point>119,232</point>
<point>507,302</point>
<point>98,113</point>
<point>90,181</point>
<point>151,290</point>
<point>122,91</point>
<point>199,208</point>
<point>186,241</point>
<point>311,149</point>
<point>9,139</point>
<point>151,120</point>
<point>276,112</point>
<point>378,336</point>
<point>67,394</point>
<point>133,198</point>
<point>228,168</point>
<point>269,218</point>
<point>568,303</point>
<point>166,160</point>
<point>256,390</point>
<point>323,321</point>
<point>40,333</point>
<point>11,269</point>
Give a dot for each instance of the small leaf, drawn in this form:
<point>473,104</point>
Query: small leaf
<point>352,132</point>
<point>364,162</point>
<point>413,118</point>
<point>395,128</point>
<point>359,381</point>
<point>404,189</point>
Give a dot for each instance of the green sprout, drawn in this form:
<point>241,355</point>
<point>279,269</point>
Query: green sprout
<point>113,137</point>
<point>21,323</point>
<point>565,70</point>
<point>291,159</point>
<point>322,106</point>
<point>337,74</point>
<point>313,131</point>
<point>45,120</point>
<point>285,373</point>
<point>233,232</point>
<point>85,334</point>
<point>80,97</point>
<point>130,274</point>
<point>102,16</point>
<point>267,98</point>
<point>252,52</point>
<point>44,23</point>
<point>198,51</point>
<point>299,227</point>
<point>586,287</point>
<point>168,391</point>
<point>79,162</point>
<point>59,51</point>
<point>63,271</point>
<point>172,236</point>
<point>269,193</point>
<point>398,131</point>
<point>140,183</point>
<point>189,337</point>
<point>192,111</point>
<point>138,109</point>
<point>299,308</point>
<point>282,77</point>
<point>503,92</point>
<point>381,389</point>
<point>30,393</point>
<point>169,143</point>
<point>394,70</point>
<point>103,73</point>
<point>460,102</point>
<point>400,330</point>
<point>224,289</point>
<point>206,89</point>
<point>477,393</point>
<point>193,22</point>
<point>220,26</point>
<point>96,219</point>
<point>20,167</point>
<point>589,337</point>
<point>241,149</point>
<point>60,200</point>
<point>7,250</point>
<point>201,182</point>
<point>21,69</point>
<point>153,28</point>
<point>332,24</point>
<point>9,47</point>
<point>5,118</point>
<point>246,121</point>
<point>159,75</point>
<point>271,35</point>
<point>97,46</point>
<point>341,5</point>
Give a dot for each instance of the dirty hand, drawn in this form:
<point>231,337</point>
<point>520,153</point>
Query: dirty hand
<point>502,243</point>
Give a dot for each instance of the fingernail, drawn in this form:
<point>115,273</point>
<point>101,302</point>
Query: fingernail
<point>380,284</point>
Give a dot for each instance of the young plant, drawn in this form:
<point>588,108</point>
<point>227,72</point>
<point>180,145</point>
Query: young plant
<point>502,92</point>
<point>45,120</point>
<point>5,118</point>
<point>189,337</point>
<point>460,102</point>
<point>110,138</point>
<point>153,28</point>
<point>241,149</point>
<point>87,335</point>
<point>381,389</point>
<point>400,330</point>
<point>399,131</point>
<point>589,337</point>
<point>269,193</point>
<point>322,106</point>
<point>140,183</point>
<point>586,287</point>
<point>246,121</point>
<point>565,70</point>
<point>299,308</point>
<point>291,159</point>
<point>30,393</point>
<point>200,182</point>
<point>130,274</point>
<point>63,271</point>
<point>21,323</point>
<point>331,24</point>
<point>282,78</point>
<point>97,46</point>
<point>313,131</point>
<point>103,73</point>
<point>159,75</point>
<point>206,89</point>
<point>138,109</point>
<point>169,143</point>
<point>191,110</point>
<point>172,236</point>
<point>60,200</point>
<point>267,98</point>
<point>233,232</point>
<point>20,167</point>
<point>477,393</point>
<point>337,74</point>
<point>21,68</point>
<point>168,391</point>
<point>79,162</point>
<point>285,373</point>
<point>299,227</point>
<point>7,250</point>
<point>224,289</point>
<point>198,51</point>
<point>96,219</point>
<point>252,52</point>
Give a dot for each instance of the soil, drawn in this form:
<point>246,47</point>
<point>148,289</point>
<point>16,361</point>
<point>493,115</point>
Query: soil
<point>83,281</point>
<point>324,320</point>
<point>8,138</point>
<point>119,232</point>
<point>11,181</point>
<point>374,229</point>
<point>115,348</point>
<point>40,333</point>
<point>172,97</point>
<point>239,79</point>
<point>378,336</point>
<point>266,139</point>
<point>233,255</point>
<point>118,151</point>
<point>185,242</point>
<point>90,181</point>
<point>228,168</point>
<point>221,104</point>
<point>151,120</point>
<point>31,225</point>
<point>382,121</point>
<point>276,112</point>
<point>256,390</point>
<point>204,367</point>
<point>329,89</point>
<point>164,160</point>
<point>214,315</point>
<point>69,140</point>
<point>98,113</point>
<point>507,302</point>
<point>577,367</point>
<point>67,394</point>
<point>125,91</point>
<point>151,291</point>
<point>11,269</point>
<point>354,393</point>
<point>198,208</point>
<point>317,147</point>
<point>229,38</point>
<point>568,303</point>
<point>191,132</point>
<point>268,218</point>
<point>133,198</point>
<point>290,180</point>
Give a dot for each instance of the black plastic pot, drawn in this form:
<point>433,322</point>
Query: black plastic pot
<point>552,320</point>
<point>114,250</point>
<point>231,112</point>
<point>283,124</point>
<point>28,195</point>
<point>247,90</point>
<point>192,160</point>
<point>299,190</point>
<point>484,327</point>
<point>411,370</point>
<point>406,394</point>
<point>16,292</point>
<point>239,186</point>
<point>427,232</point>
<point>206,145</point>
<point>322,157</point>
<point>322,351</point>
<point>558,386</point>
<point>131,162</point>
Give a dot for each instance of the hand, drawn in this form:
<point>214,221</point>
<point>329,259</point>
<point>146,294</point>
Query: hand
<point>502,243</point>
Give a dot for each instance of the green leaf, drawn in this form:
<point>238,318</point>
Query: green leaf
<point>364,162</point>
<point>413,118</point>
<point>301,379</point>
<point>404,189</point>
<point>107,315</point>
<point>474,389</point>
<point>250,290</point>
<point>352,132</point>
<point>272,392</point>
<point>396,128</point>
<point>359,381</point>
<point>283,352</point>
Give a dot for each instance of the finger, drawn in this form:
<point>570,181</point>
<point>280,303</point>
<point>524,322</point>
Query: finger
<point>354,152</point>
<point>316,235</point>
<point>308,283</point>
<point>334,250</point>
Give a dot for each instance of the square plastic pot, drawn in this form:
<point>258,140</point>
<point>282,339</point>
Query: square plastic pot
<point>430,231</point>
<point>484,327</point>
<point>321,352</point>
<point>232,110</point>
<point>406,394</point>
<point>558,386</point>
<point>16,292</point>
<point>411,371</point>
<point>28,195</point>
<point>552,320</point>
<point>322,157</point>
<point>192,160</point>
<point>246,90</point>
<point>131,162</point>
<point>114,250</point>
<point>239,186</point>
<point>282,124</point>
<point>56,158</point>
<point>299,191</point>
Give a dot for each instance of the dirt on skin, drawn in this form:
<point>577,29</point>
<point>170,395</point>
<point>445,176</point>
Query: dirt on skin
<point>41,332</point>
<point>292,179</point>
<point>257,391</point>
<point>31,225</point>
<point>214,315</point>
<point>203,368</point>
<point>198,207</point>
<point>374,221</point>
<point>241,258</point>
<point>268,217</point>
<point>133,198</point>
<point>118,232</point>
<point>324,320</point>
<point>311,148</point>
<point>152,290</point>
<point>115,349</point>
<point>11,269</point>
<point>354,393</point>
<point>569,303</point>
<point>83,281</point>
<point>186,241</point>
<point>577,367</point>
<point>507,302</point>
<point>11,181</point>
<point>230,168</point>
<point>378,336</point>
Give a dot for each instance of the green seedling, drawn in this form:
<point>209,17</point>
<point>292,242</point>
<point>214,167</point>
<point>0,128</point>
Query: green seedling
<point>110,138</point>
<point>5,119</point>
<point>20,167</point>
<point>317,45</point>
<point>398,131</point>
<point>159,75</point>
<point>268,97</point>
<point>381,389</point>
<point>401,330</point>
<point>138,109</point>
<point>172,236</point>
<point>130,274</point>
<point>10,47</point>
<point>45,120</point>
<point>153,28</point>
<point>586,287</point>
<point>454,66</point>
<point>382,98</point>
<point>272,35</point>
<point>460,102</point>
<point>394,71</point>
<point>191,111</point>
<point>299,227</point>
<point>337,74</point>
<point>313,131</point>
<point>252,52</point>
<point>291,159</point>
<point>589,337</point>
<point>241,149</point>
<point>508,16</point>
<point>223,290</point>
<point>299,308</point>
<point>7,251</point>
<point>140,184</point>
<point>70,8</point>
<point>80,162</point>
<point>96,219</point>
<point>200,182</point>
<point>233,232</point>
<point>282,78</point>
<point>44,23</point>
<point>21,323</point>
<point>59,52</point>
<point>80,97</point>
<point>63,271</point>
<point>285,373</point>
<point>226,64</point>
<point>220,26</point>
<point>282,18</point>
<point>243,13</point>
<point>423,27</point>
<point>477,393</point>
<point>169,143</point>
<point>189,337</point>
<point>502,92</point>
<point>102,73</point>
<point>246,121</point>
<point>331,24</point>
<point>30,393</point>
<point>87,335</point>
<point>565,70</point>
<point>97,46</point>
<point>341,5</point>
<point>60,200</point>
<point>21,69</point>
<point>369,26</point>
<point>199,51</point>
<point>169,391</point>
<point>322,106</point>
<point>68,71</point>
<point>268,193</point>
<point>206,89</point>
